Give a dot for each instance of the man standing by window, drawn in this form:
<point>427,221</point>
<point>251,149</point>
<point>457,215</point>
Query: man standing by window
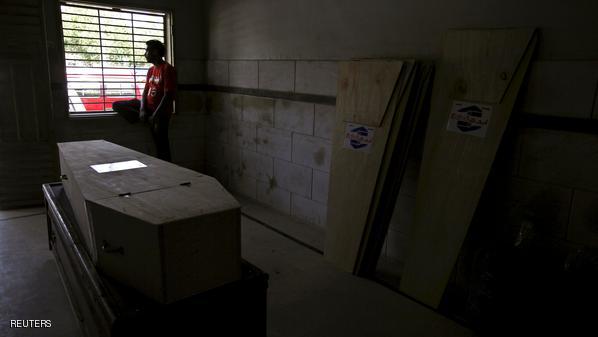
<point>156,105</point>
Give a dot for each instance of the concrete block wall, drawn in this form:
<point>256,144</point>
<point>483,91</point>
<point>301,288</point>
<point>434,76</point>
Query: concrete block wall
<point>271,149</point>
<point>270,153</point>
<point>559,169</point>
<point>549,180</point>
<point>562,81</point>
<point>296,136</point>
<point>562,88</point>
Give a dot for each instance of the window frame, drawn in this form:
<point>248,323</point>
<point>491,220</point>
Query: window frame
<point>168,40</point>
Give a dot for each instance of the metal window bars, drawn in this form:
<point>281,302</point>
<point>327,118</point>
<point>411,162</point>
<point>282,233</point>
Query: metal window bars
<point>103,55</point>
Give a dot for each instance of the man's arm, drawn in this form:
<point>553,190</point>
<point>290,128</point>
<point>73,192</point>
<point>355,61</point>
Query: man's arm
<point>142,112</point>
<point>166,101</point>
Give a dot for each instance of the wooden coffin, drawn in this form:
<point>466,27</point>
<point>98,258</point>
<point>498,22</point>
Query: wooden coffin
<point>478,80</point>
<point>105,308</point>
<point>164,230</point>
<point>370,103</point>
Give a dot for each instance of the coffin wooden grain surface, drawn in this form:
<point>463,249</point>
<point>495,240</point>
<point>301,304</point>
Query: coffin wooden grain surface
<point>481,66</point>
<point>81,183</point>
<point>167,231</point>
<point>354,173</point>
<point>365,89</point>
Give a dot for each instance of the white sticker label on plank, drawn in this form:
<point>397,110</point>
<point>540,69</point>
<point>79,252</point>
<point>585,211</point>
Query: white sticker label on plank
<point>358,137</point>
<point>469,118</point>
<point>118,166</point>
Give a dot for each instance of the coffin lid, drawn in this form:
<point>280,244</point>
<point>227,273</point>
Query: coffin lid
<point>159,193</point>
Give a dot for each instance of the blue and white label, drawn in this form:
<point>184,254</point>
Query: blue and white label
<point>469,118</point>
<point>358,137</point>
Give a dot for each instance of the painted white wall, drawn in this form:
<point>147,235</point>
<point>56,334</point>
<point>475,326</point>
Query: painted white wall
<point>344,29</point>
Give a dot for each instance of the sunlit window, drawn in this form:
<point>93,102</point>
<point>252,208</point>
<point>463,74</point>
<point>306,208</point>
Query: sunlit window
<point>104,53</point>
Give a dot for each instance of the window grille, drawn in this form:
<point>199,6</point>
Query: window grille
<point>104,53</point>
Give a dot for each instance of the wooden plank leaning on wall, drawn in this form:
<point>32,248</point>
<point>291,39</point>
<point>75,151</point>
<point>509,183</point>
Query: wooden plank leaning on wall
<point>370,94</point>
<point>478,79</point>
<point>394,163</point>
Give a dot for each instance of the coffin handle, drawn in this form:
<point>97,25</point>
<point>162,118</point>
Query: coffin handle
<point>106,248</point>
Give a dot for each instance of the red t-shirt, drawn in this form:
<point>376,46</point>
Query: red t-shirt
<point>160,78</point>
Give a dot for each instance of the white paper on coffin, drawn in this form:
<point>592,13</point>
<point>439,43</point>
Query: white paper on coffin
<point>165,230</point>
<point>118,166</point>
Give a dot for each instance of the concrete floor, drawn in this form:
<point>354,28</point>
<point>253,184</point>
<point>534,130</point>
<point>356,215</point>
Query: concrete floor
<point>306,297</point>
<point>30,286</point>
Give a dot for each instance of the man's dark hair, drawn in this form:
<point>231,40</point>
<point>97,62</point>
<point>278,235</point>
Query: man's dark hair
<point>159,46</point>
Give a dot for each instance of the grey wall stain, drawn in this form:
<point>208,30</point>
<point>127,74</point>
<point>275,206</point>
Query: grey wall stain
<point>319,156</point>
<point>237,102</point>
<point>272,183</point>
<point>266,117</point>
<point>258,103</point>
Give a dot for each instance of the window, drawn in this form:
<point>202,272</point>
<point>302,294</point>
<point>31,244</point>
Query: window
<point>104,53</point>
